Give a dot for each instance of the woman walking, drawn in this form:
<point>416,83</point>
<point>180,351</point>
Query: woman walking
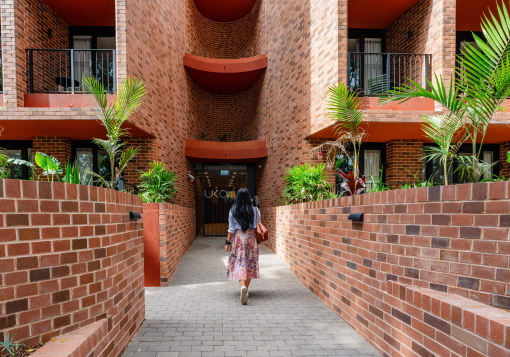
<point>243,262</point>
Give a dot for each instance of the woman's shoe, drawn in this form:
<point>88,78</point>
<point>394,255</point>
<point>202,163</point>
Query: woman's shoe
<point>244,295</point>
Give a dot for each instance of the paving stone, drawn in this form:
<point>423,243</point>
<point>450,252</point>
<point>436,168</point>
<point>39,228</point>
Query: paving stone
<point>199,314</point>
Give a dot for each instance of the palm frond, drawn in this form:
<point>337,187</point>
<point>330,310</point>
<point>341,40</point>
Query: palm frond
<point>345,107</point>
<point>127,155</point>
<point>129,98</point>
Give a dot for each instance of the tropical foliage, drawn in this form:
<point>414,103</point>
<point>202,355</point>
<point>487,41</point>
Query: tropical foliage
<point>50,166</point>
<point>345,107</point>
<point>128,100</point>
<point>305,183</point>
<point>442,130</point>
<point>7,163</point>
<point>10,347</point>
<point>158,184</point>
<point>473,96</point>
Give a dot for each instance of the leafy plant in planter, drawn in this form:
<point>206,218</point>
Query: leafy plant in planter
<point>13,349</point>
<point>345,107</point>
<point>128,100</point>
<point>6,163</point>
<point>50,165</point>
<point>158,184</point>
<point>305,183</point>
<point>476,93</point>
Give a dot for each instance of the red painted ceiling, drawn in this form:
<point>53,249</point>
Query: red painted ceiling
<point>224,10</point>
<point>469,13</point>
<point>217,151</point>
<point>376,14</point>
<point>225,75</point>
<point>73,129</point>
<point>84,12</point>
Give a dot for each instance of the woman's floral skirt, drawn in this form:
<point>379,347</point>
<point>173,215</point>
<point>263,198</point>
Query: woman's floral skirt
<point>243,262</point>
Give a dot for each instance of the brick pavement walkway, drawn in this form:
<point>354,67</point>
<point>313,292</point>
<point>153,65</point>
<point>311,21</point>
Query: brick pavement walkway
<point>199,314</point>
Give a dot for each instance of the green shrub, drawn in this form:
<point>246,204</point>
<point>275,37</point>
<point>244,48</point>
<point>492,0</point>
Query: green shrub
<point>158,184</point>
<point>306,183</point>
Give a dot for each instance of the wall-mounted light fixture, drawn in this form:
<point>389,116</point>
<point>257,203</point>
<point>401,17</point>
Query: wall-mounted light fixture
<point>356,217</point>
<point>49,32</point>
<point>410,34</point>
<point>134,215</point>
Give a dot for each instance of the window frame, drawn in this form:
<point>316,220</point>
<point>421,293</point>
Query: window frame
<point>366,146</point>
<point>22,145</point>
<point>464,149</point>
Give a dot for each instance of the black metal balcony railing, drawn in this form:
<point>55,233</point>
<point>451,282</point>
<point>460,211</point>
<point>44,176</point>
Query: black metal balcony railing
<point>374,73</point>
<point>62,70</point>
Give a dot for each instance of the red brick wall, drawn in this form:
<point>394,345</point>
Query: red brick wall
<point>404,160</point>
<point>69,256</point>
<point>432,24</point>
<point>148,151</point>
<point>453,239</point>
<point>177,233</point>
<point>33,18</point>
<point>157,35</point>
<point>58,147</point>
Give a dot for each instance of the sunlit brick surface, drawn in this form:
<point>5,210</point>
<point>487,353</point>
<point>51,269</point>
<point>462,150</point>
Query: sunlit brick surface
<point>452,239</point>
<point>69,255</point>
<point>177,233</point>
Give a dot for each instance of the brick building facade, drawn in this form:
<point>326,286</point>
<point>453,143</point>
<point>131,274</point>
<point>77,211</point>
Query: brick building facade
<point>309,46</point>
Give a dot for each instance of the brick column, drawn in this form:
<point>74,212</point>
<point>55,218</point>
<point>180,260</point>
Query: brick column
<point>8,53</point>
<point>404,159</point>
<point>120,39</point>
<point>148,152</point>
<point>442,37</point>
<point>505,167</point>
<point>343,36</point>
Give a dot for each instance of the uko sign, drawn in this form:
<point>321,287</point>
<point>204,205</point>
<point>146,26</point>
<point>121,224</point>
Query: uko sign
<point>219,193</point>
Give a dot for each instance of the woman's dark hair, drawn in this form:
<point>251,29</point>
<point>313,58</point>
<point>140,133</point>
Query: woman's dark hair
<point>242,210</point>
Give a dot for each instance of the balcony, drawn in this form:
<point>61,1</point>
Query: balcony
<point>374,73</point>
<point>61,71</point>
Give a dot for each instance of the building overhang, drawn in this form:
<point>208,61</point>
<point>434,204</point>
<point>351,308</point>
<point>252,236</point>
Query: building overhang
<point>384,131</point>
<point>225,75</point>
<point>74,129</point>
<point>61,100</point>
<point>468,18</point>
<point>231,152</point>
<point>84,12</point>
<point>224,10</point>
<point>365,14</point>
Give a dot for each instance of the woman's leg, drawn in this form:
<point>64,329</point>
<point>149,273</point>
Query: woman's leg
<point>247,283</point>
<point>243,283</point>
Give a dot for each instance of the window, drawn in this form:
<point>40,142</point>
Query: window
<point>366,62</point>
<point>90,158</point>
<point>434,171</point>
<point>19,150</point>
<point>371,161</point>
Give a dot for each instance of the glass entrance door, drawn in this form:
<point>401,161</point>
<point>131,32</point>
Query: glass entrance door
<point>216,187</point>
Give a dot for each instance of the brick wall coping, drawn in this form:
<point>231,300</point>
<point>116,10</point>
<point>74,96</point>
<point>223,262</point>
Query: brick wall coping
<point>78,343</point>
<point>489,327</point>
<point>461,192</point>
<point>13,189</point>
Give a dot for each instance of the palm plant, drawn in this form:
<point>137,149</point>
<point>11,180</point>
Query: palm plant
<point>345,107</point>
<point>128,100</point>
<point>442,130</point>
<point>479,89</point>
<point>158,184</point>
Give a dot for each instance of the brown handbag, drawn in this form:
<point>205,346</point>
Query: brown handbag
<point>262,232</point>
